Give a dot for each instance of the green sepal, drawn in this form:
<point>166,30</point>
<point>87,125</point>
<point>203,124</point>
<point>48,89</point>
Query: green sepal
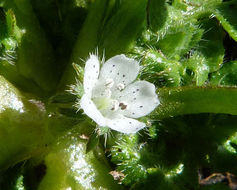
<point>92,142</point>
<point>226,75</point>
<point>160,70</point>
<point>63,98</point>
<point>195,70</point>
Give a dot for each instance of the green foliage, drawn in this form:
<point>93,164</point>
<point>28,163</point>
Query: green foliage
<point>67,166</point>
<point>172,164</point>
<point>16,182</point>
<point>114,33</point>
<point>35,57</point>
<point>226,76</point>
<point>126,155</point>
<point>17,118</point>
<point>226,14</point>
<point>160,70</point>
<point>156,14</point>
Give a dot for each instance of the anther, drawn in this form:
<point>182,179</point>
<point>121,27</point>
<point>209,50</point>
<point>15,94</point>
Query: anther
<point>115,105</point>
<point>109,83</point>
<point>120,86</point>
<point>123,105</point>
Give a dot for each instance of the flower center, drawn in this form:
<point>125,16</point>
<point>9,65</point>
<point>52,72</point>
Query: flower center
<point>104,100</point>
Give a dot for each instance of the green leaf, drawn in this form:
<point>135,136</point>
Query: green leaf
<point>111,35</point>
<point>22,126</point>
<point>61,22</point>
<point>156,14</point>
<point>87,40</point>
<point>122,28</point>
<point>177,39</point>
<point>35,59</point>
<point>68,165</point>
<point>194,100</point>
<point>227,15</point>
<point>211,44</point>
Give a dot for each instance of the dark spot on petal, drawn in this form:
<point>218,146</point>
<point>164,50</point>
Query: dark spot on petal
<point>93,66</point>
<point>133,113</point>
<point>134,98</point>
<point>110,71</point>
<point>137,89</point>
<point>123,75</point>
<point>113,65</point>
<point>141,106</point>
<point>130,122</point>
<point>133,92</point>
<point>117,73</point>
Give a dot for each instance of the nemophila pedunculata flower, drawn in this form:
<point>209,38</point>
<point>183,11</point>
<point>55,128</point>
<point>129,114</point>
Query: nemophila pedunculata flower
<point>111,97</point>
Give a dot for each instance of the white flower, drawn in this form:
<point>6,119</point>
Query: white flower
<point>111,99</point>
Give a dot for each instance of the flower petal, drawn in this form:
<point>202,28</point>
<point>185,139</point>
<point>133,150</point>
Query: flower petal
<point>121,69</point>
<point>91,74</point>
<point>91,110</point>
<point>140,98</point>
<point>125,125</point>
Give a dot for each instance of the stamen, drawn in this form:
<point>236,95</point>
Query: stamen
<point>120,86</point>
<point>107,93</point>
<point>115,105</point>
<point>123,105</point>
<point>109,83</point>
